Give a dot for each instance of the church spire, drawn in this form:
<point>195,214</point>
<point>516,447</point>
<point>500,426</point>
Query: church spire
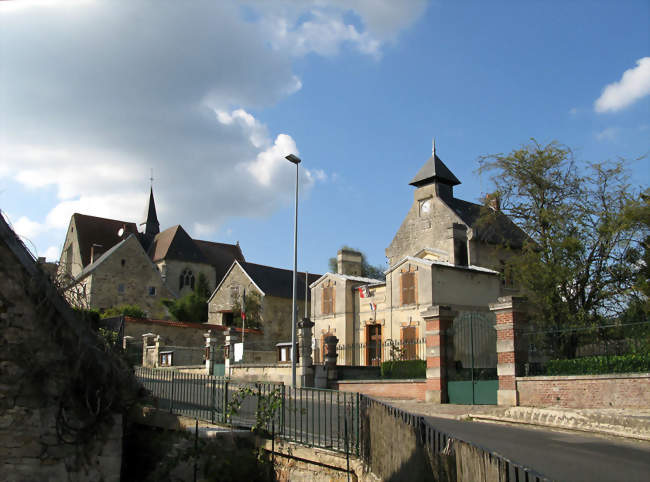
<point>150,223</point>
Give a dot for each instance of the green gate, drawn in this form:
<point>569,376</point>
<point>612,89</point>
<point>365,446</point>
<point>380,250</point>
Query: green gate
<point>472,360</point>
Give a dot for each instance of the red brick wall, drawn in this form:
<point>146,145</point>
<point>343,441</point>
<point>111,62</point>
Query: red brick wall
<point>586,391</point>
<point>405,390</point>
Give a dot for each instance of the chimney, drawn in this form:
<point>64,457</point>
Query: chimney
<point>348,262</point>
<point>95,252</point>
<point>492,201</point>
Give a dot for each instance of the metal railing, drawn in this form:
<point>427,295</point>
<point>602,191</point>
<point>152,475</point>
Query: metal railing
<point>373,354</point>
<point>309,416</point>
<point>434,442</point>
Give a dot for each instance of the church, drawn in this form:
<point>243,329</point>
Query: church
<point>442,254</point>
<point>110,262</point>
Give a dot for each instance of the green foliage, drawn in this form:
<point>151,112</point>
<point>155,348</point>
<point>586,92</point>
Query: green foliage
<point>404,369</point>
<point>586,226</point>
<point>253,304</point>
<point>91,316</point>
<point>367,270</point>
<point>193,307</point>
<point>111,337</point>
<point>630,363</point>
<point>127,310</point>
<point>267,406</point>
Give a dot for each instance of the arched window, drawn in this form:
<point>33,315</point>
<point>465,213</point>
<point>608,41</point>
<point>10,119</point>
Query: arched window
<point>186,279</point>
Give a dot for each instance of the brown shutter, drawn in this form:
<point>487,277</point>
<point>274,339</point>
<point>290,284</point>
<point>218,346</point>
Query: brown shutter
<point>408,288</point>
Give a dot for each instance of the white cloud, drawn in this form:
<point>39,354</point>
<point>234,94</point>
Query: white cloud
<point>608,134</point>
<point>99,92</point>
<point>634,85</point>
<point>25,227</point>
<point>52,253</point>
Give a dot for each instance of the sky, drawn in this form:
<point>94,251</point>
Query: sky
<point>95,94</point>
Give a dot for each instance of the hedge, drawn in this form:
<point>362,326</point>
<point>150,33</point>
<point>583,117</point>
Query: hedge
<point>404,369</point>
<point>593,365</point>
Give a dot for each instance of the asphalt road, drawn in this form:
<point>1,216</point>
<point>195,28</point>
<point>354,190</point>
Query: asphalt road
<point>562,456</point>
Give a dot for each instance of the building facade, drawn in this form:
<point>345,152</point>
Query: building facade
<point>442,254</point>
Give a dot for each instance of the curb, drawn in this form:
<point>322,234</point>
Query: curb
<point>618,431</point>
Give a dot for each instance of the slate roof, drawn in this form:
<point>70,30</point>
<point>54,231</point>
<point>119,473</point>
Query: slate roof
<point>91,267</point>
<point>220,255</point>
<point>175,243</point>
<point>277,281</point>
<point>500,230</point>
<point>94,230</point>
<point>434,170</point>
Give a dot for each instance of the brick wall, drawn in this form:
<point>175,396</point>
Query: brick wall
<point>404,389</point>
<point>586,391</point>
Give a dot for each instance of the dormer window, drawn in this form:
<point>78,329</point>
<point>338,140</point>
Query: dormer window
<point>186,279</point>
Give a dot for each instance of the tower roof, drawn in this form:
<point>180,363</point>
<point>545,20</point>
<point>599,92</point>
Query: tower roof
<point>434,170</point>
<point>151,224</point>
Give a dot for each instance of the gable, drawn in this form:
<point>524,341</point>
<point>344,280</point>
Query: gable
<point>175,243</point>
<point>100,233</point>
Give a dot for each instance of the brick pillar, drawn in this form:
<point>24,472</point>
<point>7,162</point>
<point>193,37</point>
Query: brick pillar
<point>210,352</point>
<point>438,321</point>
<point>511,320</point>
<point>306,364</point>
<point>229,352</point>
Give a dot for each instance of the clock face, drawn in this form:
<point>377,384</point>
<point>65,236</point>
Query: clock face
<point>425,206</point>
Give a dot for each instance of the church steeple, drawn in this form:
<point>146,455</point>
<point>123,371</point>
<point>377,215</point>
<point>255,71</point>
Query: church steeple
<point>150,223</point>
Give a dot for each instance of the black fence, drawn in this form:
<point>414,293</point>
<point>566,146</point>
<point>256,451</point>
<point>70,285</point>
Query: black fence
<point>310,416</point>
<point>373,354</point>
<point>596,346</point>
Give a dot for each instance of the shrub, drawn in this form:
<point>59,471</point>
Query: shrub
<point>401,369</point>
<point>630,363</point>
<point>127,310</point>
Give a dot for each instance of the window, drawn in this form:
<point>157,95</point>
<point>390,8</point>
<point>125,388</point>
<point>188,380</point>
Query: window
<point>408,288</point>
<point>166,358</point>
<point>152,291</point>
<point>328,300</point>
<point>460,252</point>
<point>186,279</point>
<point>120,288</point>
<point>507,280</point>
<point>123,262</point>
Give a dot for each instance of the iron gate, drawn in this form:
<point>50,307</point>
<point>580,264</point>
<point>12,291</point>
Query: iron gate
<point>472,360</point>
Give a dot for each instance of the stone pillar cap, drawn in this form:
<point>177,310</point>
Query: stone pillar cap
<point>507,302</point>
<point>436,311</point>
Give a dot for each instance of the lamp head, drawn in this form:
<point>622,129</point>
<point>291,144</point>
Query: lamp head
<point>293,159</point>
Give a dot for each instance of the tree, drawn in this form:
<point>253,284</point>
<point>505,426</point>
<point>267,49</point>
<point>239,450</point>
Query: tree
<point>127,310</point>
<point>253,305</point>
<point>586,228</point>
<point>193,306</point>
<point>367,270</point>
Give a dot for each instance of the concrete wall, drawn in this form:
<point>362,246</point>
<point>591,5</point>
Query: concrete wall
<point>129,266</point>
<point>261,373</point>
<point>586,391</point>
<point>404,389</point>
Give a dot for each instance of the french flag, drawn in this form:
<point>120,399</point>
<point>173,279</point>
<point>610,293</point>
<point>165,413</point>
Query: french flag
<point>363,292</point>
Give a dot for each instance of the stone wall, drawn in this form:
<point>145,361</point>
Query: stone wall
<point>171,270</point>
<point>176,333</point>
<point>403,389</point>
<point>261,373</point>
<point>586,391</point>
<point>126,277</point>
<point>47,355</point>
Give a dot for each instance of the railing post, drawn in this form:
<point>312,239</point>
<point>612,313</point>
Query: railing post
<point>282,419</point>
<point>171,397</point>
<point>358,427</point>
<point>213,401</point>
<point>225,401</point>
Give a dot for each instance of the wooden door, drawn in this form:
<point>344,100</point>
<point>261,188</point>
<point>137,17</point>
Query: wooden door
<point>373,345</point>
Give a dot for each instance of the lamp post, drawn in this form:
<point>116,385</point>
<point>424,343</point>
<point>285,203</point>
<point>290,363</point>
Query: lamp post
<point>295,160</point>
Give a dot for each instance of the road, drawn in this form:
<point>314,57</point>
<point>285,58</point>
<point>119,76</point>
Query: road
<point>565,456</point>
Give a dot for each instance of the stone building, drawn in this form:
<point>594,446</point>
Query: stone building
<point>60,395</point>
<point>274,286</point>
<point>440,255</point>
<point>110,262</point>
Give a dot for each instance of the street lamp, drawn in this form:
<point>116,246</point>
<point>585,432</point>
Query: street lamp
<point>295,160</point>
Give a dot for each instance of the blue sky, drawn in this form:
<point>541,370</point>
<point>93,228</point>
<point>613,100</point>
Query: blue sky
<point>212,95</point>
